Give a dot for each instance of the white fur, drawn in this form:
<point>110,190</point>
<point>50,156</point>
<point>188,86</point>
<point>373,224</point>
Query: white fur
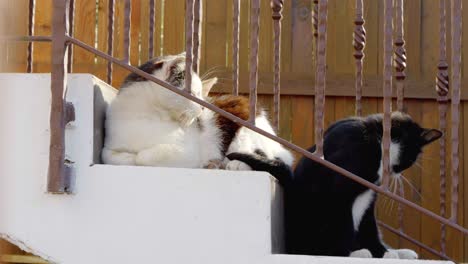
<point>361,253</point>
<point>405,253</point>
<point>247,141</point>
<point>362,202</point>
<point>395,149</point>
<point>149,125</point>
<point>360,206</point>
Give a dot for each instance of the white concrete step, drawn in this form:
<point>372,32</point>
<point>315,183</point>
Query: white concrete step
<point>122,214</point>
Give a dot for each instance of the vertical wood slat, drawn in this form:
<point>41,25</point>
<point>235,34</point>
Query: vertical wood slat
<point>174,27</point>
<point>42,26</point>
<point>235,46</point>
<point>320,80</point>
<point>71,18</point>
<point>31,16</point>
<point>277,7</point>
<point>456,83</point>
<point>127,19</point>
<point>442,86</point>
<point>400,55</point>
<point>59,176</point>
<point>151,30</point>
<point>387,89</point>
<point>359,42</point>
<point>197,34</point>
<point>189,6</point>
<point>254,42</point>
<point>84,24</point>
<point>110,39</point>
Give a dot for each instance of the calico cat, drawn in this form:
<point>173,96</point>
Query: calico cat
<point>329,214</point>
<point>149,125</point>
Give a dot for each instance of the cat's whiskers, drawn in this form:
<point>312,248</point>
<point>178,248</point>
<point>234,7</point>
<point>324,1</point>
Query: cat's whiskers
<point>212,71</point>
<point>427,158</point>
<point>418,165</point>
<point>389,204</point>
<point>412,187</point>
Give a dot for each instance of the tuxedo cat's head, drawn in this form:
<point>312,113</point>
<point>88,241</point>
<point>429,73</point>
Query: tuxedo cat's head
<point>411,139</point>
<point>172,70</point>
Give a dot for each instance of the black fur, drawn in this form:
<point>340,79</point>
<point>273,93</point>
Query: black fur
<point>259,162</point>
<point>318,201</point>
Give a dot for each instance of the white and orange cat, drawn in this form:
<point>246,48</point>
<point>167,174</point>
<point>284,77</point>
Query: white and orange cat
<point>149,125</point>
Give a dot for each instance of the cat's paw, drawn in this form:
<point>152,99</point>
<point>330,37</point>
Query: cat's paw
<point>405,253</point>
<point>361,253</point>
<point>391,254</point>
<point>117,158</point>
<point>237,165</point>
<point>214,164</point>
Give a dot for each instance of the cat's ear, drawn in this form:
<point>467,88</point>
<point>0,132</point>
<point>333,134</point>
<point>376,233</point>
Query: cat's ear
<point>207,85</point>
<point>430,135</point>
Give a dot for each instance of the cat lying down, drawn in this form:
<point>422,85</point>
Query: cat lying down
<point>149,125</point>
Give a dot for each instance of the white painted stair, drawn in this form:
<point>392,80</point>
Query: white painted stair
<point>122,214</point>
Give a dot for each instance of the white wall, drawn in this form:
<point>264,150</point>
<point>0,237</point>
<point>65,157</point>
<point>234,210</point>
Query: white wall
<point>124,214</point>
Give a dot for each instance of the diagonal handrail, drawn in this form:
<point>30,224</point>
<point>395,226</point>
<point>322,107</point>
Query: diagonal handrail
<point>282,141</point>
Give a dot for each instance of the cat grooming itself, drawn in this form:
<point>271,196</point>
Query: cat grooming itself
<point>149,125</point>
<point>329,214</point>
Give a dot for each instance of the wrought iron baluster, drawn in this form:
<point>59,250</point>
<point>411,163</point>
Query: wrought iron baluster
<point>359,42</point>
<point>277,6</point>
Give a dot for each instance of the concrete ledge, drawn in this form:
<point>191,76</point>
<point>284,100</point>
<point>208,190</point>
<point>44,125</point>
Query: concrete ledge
<point>118,213</point>
<point>122,214</point>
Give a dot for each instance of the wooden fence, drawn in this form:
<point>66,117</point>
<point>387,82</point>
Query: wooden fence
<point>297,79</point>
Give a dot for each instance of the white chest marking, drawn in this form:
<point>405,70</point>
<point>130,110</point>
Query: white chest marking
<point>360,206</point>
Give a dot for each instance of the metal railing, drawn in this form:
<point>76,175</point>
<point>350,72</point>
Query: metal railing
<point>394,57</point>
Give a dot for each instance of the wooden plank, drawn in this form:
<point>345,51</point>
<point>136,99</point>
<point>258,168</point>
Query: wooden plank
<point>412,22</point>
<point>411,218</point>
<point>465,166</point>
<point>14,54</point>
<point>145,29</point>
<point>84,21</point>
<point>22,259</point>
<point>174,27</point>
<point>343,85</point>
<point>286,115</point>
<point>429,35</point>
<point>42,27</point>
<point>216,35</point>
<point>102,17</point>
<point>119,73</point>
<point>454,238</point>
<point>135,30</point>
<point>343,53</point>
<point>373,43</point>
<point>430,229</point>
<point>8,248</point>
<point>265,54</point>
<point>344,107</point>
<point>302,38</point>
<point>302,122</point>
<point>244,40</point>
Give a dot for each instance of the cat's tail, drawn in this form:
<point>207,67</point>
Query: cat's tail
<point>276,167</point>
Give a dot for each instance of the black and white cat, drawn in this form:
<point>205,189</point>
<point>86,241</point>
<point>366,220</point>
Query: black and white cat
<point>329,214</point>
<point>148,125</point>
